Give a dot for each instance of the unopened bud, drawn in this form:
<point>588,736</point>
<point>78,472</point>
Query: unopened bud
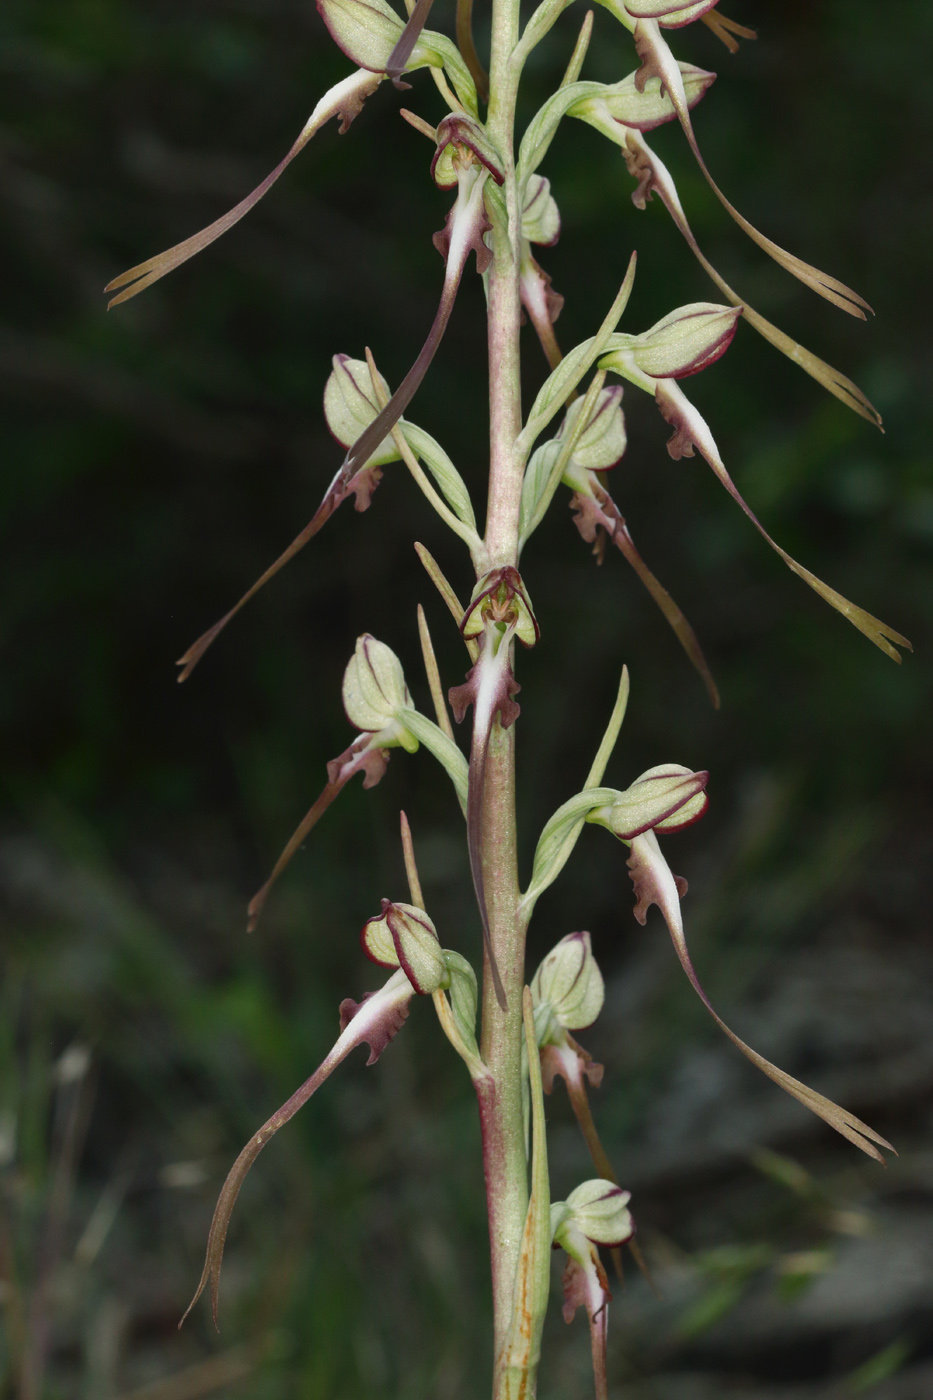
<point>663,799</point>
<point>623,105</point>
<point>374,692</point>
<point>403,936</point>
<point>570,984</point>
<point>682,343</point>
<point>350,406</point>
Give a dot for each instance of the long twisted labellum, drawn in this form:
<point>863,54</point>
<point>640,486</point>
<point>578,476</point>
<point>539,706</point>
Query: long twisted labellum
<point>691,430</point>
<point>398,58</point>
<point>375,1020</point>
<point>658,61</point>
<point>602,512</point>
<point>653,176</point>
<point>464,233</point>
<point>332,499</point>
<point>360,757</point>
<point>345,100</point>
<point>654,884</point>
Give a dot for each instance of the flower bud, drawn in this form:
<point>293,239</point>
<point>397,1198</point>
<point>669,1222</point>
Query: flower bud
<point>403,936</point>
<point>602,442</point>
<point>374,691</point>
<point>686,340</point>
<point>682,343</point>
<point>350,406</point>
<point>623,105</point>
<point>663,799</point>
<point>570,984</point>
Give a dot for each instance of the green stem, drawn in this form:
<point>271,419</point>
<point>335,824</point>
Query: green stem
<point>500,1098</point>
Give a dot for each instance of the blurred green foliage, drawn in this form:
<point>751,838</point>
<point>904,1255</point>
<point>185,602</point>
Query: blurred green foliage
<point>159,457</point>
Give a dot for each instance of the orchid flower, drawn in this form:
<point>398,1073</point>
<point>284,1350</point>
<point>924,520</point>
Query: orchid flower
<point>594,1214</point>
<point>664,800</point>
<point>377,702</point>
<point>690,431</point>
<point>375,1020</point>
<point>568,994</point>
<point>592,439</point>
<point>646,18</point>
<point>401,937</point>
<point>502,209</point>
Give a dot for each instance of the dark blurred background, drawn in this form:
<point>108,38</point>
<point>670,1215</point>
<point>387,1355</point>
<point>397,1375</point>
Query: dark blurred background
<point>159,456</point>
